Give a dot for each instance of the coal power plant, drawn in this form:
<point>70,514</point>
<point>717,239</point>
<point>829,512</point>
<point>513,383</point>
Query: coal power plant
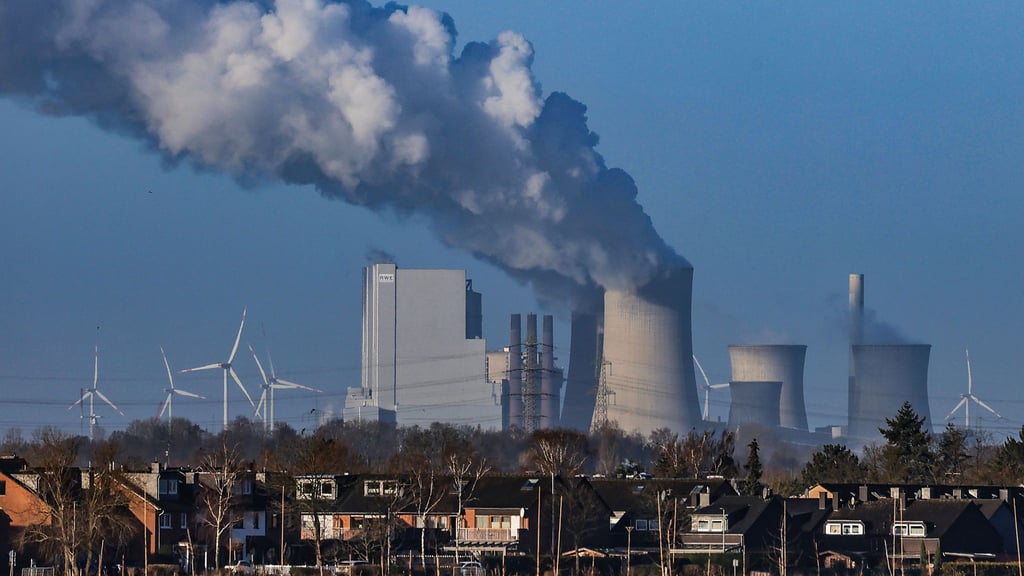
<point>648,380</point>
<point>773,363</point>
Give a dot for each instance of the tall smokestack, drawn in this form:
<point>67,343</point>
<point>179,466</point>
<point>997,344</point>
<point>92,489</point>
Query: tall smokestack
<point>648,349</point>
<point>549,396</point>
<point>515,374</point>
<point>531,377</point>
<point>856,337</point>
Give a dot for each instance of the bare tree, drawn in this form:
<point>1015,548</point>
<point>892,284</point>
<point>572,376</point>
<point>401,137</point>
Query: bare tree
<point>57,484</point>
<point>557,452</point>
<point>466,471</point>
<point>219,471</point>
<point>102,507</point>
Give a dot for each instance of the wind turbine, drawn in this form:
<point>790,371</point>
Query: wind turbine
<point>271,384</point>
<point>226,367</point>
<point>172,391</point>
<point>966,399</point>
<point>708,386</point>
<point>92,393</point>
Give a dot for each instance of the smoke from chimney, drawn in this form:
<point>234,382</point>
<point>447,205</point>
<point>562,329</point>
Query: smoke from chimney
<point>370,105</point>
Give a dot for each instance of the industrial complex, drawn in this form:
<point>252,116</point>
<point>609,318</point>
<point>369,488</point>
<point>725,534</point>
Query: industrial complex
<point>631,365</point>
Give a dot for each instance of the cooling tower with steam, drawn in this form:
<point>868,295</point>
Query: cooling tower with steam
<point>774,363</point>
<point>887,376</point>
<point>581,385</point>
<point>648,355</point>
<point>754,403</point>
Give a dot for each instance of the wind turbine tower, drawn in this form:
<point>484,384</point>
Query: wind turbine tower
<point>172,391</point>
<point>272,383</point>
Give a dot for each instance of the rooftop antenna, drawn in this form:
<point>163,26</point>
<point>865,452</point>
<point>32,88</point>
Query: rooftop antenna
<point>707,387</point>
<point>228,370</point>
<point>92,393</point>
<point>966,399</point>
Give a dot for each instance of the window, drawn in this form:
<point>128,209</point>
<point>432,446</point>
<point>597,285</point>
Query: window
<point>169,486</point>
<point>845,528</point>
<point>247,486</point>
<point>652,525</point>
<point>703,526</point>
<point>380,488</point>
<point>165,521</point>
<point>640,525</point>
<point>3,487</point>
<point>255,520</point>
<point>908,529</point>
<point>184,519</point>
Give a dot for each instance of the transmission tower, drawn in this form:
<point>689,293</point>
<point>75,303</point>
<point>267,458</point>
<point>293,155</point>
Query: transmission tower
<point>603,392</point>
<point>531,380</point>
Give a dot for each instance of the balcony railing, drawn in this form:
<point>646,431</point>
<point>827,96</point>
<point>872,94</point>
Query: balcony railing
<point>485,535</point>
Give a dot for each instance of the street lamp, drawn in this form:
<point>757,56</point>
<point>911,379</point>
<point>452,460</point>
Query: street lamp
<point>629,544</point>
<point>724,522</point>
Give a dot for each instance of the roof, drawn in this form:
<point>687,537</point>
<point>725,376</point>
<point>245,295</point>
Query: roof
<point>624,495</point>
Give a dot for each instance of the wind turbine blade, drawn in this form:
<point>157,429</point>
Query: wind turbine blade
<point>207,367</point>
<point>181,392</point>
<point>96,367</point>
<point>238,338</point>
<point>702,372</point>
<point>244,391</point>
<point>170,378</point>
<point>294,385</point>
<point>80,399</point>
<point>970,380</point>
<point>107,400</point>
<point>258,365</point>
<point>166,404</point>
<point>957,407</point>
<point>262,403</point>
<point>717,386</point>
<point>985,406</point>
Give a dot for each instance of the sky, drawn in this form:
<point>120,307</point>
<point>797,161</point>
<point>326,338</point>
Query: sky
<point>778,148</point>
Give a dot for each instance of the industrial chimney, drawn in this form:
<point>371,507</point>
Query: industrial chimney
<point>775,363</point>
<point>515,373</point>
<point>856,337</point>
<point>549,380</point>
<point>648,355</point>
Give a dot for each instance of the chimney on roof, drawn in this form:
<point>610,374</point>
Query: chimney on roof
<point>822,500</point>
<point>862,493</point>
<point>926,493</point>
<point>957,493</point>
<point>154,467</point>
<point>1004,494</point>
<point>835,501</point>
<point>705,498</point>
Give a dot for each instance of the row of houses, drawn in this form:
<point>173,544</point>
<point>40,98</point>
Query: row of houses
<point>275,518</point>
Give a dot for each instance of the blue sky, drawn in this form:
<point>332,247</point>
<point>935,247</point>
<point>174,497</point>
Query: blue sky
<point>779,148</point>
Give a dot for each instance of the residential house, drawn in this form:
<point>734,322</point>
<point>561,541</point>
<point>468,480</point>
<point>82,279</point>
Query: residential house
<point>634,504</point>
<point>752,525</point>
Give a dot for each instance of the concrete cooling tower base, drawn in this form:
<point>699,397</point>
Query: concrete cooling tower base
<point>888,376</point>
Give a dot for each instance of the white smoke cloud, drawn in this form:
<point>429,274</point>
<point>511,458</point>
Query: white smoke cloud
<point>368,104</point>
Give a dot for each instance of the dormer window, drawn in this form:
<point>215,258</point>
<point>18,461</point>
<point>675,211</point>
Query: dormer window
<point>316,488</point>
<point>709,524</point>
<point>916,529</point>
<point>169,486</point>
<point>380,487</point>
<point>840,528</point>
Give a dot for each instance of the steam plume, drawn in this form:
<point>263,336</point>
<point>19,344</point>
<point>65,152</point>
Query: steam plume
<point>370,105</point>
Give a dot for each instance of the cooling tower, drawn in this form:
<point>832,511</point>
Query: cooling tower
<point>887,376</point>
<point>648,353</point>
<point>581,385</point>
<point>549,381</point>
<point>754,403</point>
<point>856,337</point>
<point>775,363</point>
<point>515,373</point>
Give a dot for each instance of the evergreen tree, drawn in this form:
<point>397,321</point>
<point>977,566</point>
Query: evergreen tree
<point>937,561</point>
<point>911,445</point>
<point>1009,460</point>
<point>952,454</point>
<point>752,483</point>
<point>833,463</point>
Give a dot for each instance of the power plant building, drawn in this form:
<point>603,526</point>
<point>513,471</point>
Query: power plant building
<point>423,358</point>
<point>648,379</point>
<point>782,363</point>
